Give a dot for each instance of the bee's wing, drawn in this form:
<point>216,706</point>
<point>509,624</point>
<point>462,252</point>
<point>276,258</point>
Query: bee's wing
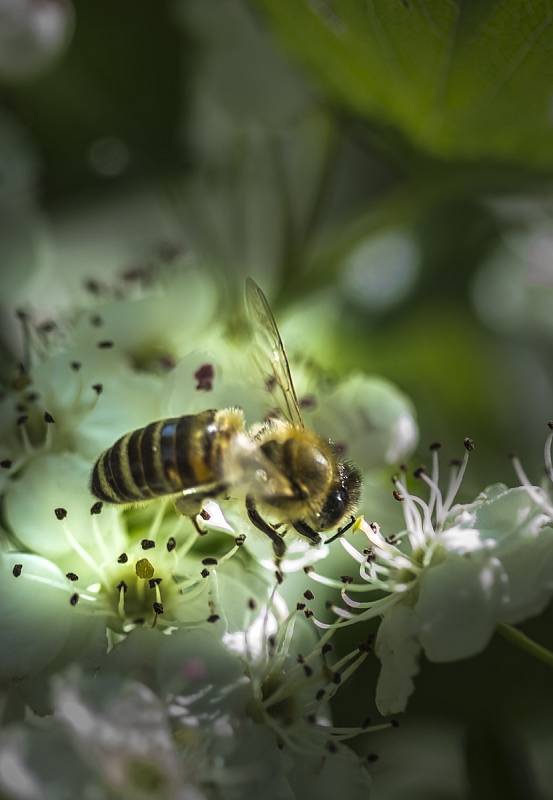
<point>248,465</point>
<point>270,353</point>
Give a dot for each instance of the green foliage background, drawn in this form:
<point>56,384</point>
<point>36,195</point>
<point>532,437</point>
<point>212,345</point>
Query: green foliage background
<point>279,137</point>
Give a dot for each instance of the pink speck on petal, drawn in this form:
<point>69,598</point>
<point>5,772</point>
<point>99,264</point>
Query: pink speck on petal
<point>204,376</point>
<point>194,669</point>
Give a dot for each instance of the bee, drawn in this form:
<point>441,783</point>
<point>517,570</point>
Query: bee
<point>279,467</point>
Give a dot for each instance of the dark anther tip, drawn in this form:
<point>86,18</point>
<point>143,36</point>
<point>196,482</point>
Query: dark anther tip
<point>60,513</point>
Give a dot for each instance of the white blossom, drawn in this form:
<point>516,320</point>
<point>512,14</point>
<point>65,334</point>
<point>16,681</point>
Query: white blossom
<point>444,582</point>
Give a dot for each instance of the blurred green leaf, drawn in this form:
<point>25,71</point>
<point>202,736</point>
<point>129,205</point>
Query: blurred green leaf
<point>462,78</point>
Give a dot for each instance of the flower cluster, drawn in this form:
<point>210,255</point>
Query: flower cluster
<point>177,657</point>
<point>205,681</point>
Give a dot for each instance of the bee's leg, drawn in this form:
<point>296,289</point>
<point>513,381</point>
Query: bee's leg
<point>191,505</point>
<point>255,517</point>
<point>341,531</point>
<point>307,531</point>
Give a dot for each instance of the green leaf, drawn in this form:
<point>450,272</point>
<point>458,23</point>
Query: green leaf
<point>461,78</point>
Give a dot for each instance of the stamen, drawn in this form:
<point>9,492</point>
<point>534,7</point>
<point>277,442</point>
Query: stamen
<point>61,514</point>
<point>547,453</point>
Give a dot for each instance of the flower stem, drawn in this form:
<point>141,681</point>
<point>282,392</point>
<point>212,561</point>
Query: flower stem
<point>520,639</point>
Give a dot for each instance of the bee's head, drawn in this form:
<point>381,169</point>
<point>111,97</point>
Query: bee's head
<point>342,497</point>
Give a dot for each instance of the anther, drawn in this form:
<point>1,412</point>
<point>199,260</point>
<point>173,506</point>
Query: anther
<point>346,578</point>
<point>204,573</point>
<point>204,377</point>
<point>372,757</point>
<point>123,558</point>
<point>16,571</point>
<point>239,541</point>
<point>74,599</point>
<point>308,594</point>
<point>96,320</point>
<point>307,670</point>
<point>419,472</point>
<point>326,648</point>
<point>204,514</point>
<point>97,507</point>
<point>469,444</point>
<point>20,408</point>
<point>279,576</point>
<point>271,641</point>
<point>300,606</point>
<point>328,604</point>
<point>122,586</point>
<point>435,446</point>
<point>48,418</point>
<point>22,420</point>
<point>308,613</point>
<point>366,722</point>
<point>71,576</point>
<point>158,607</point>
<point>153,582</point>
<point>397,495</point>
<point>331,747</point>
<point>308,569</point>
<point>365,647</point>
<point>311,719</point>
<point>32,397</point>
<point>105,344</point>
<point>210,561</point>
<point>75,366</point>
<point>6,463</point>
<point>550,424</point>
<point>98,388</point>
<point>252,605</point>
<point>147,544</point>
<point>320,694</point>
<point>171,544</point>
<point>308,401</point>
<point>455,462</point>
<point>60,513</point>
<point>336,678</point>
<point>394,723</point>
<point>213,618</point>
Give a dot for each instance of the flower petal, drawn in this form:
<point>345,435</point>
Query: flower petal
<point>397,648</point>
<point>457,606</point>
<point>370,417</point>
<point>36,613</point>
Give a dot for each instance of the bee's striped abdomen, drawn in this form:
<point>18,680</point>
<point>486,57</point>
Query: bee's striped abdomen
<point>162,458</point>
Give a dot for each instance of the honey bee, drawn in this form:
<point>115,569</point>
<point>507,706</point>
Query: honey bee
<point>279,467</point>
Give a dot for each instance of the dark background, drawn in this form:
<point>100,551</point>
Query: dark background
<point>405,147</point>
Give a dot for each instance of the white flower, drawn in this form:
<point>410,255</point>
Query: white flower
<point>189,715</point>
<point>107,738</point>
<point>257,707</point>
<point>444,583</point>
<point>117,569</point>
